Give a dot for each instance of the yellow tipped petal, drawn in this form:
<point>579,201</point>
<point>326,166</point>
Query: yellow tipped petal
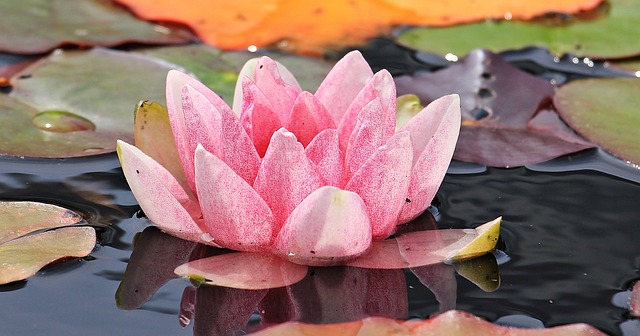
<point>485,241</point>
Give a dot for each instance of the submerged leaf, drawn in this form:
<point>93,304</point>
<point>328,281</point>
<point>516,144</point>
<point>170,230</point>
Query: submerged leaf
<point>77,103</point>
<point>503,118</point>
<point>84,23</point>
<point>604,111</point>
<point>451,323</point>
<point>23,257</point>
<point>308,27</point>
<point>603,37</point>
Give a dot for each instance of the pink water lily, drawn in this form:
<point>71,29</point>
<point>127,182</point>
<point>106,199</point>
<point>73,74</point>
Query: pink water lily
<point>313,178</point>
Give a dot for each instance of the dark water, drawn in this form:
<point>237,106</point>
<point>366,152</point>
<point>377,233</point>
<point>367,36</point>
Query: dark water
<point>570,234</point>
<point>571,240</point>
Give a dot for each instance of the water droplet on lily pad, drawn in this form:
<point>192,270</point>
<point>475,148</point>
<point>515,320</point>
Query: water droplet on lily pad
<point>61,122</point>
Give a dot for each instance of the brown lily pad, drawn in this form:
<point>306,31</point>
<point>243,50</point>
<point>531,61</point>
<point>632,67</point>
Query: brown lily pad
<point>505,119</point>
<point>22,257</point>
<point>83,23</point>
<point>77,103</point>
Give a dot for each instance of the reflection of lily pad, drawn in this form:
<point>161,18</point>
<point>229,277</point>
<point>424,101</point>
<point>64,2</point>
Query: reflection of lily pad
<point>87,22</point>
<point>604,111</point>
<point>22,257</point>
<point>219,69</point>
<point>608,37</point>
<point>77,103</point>
<point>503,120</point>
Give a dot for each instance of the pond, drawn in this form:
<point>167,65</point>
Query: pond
<point>568,243</point>
<point>568,251</point>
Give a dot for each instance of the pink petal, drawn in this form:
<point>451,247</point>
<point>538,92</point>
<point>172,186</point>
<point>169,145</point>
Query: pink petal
<point>244,270</point>
<point>160,196</point>
<point>365,139</point>
<point>187,306</point>
<point>434,133</point>
<point>247,72</point>
<point>329,226</point>
<point>381,86</point>
<point>441,281</point>
<point>258,117</point>
<point>235,215</point>
<point>219,131</point>
<point>324,152</point>
<point>382,182</point>
<point>342,84</point>
<point>414,249</point>
<point>176,81</point>
<point>308,117</point>
<point>270,82</point>
<point>286,176</point>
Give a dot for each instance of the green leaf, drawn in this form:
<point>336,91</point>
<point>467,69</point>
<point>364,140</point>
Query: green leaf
<point>610,36</point>
<point>22,257</point>
<point>605,111</point>
<point>219,69</point>
<point>84,23</point>
<point>77,103</point>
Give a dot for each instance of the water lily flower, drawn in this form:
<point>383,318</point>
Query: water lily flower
<point>314,178</point>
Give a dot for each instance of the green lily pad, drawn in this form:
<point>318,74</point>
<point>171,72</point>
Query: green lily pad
<point>219,69</point>
<point>610,36</point>
<point>84,23</point>
<point>77,103</point>
<point>22,257</point>
<point>605,111</point>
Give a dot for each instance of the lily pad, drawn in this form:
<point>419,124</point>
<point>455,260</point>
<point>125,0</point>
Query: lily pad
<point>77,103</point>
<point>451,323</point>
<point>219,69</point>
<point>604,37</point>
<point>83,23</point>
<point>22,257</point>
<point>604,111</point>
<point>504,120</point>
<point>310,27</point>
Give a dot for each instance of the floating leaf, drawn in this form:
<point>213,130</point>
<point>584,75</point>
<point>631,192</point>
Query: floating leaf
<point>604,37</point>
<point>451,323</point>
<point>84,23</point>
<point>22,257</point>
<point>502,120</point>
<point>219,69</point>
<point>308,27</point>
<point>77,103</point>
<point>604,111</point>
<point>19,218</point>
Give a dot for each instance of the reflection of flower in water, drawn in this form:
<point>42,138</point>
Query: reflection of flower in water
<point>313,178</point>
<point>324,295</point>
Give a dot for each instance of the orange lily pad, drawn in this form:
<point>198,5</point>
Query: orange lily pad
<point>309,27</point>
<point>22,257</point>
<point>451,323</point>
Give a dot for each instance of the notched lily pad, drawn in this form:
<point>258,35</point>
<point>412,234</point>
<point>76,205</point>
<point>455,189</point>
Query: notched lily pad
<point>504,120</point>
<point>604,111</point>
<point>77,103</point>
<point>22,257</point>
<point>84,23</point>
<point>603,37</point>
